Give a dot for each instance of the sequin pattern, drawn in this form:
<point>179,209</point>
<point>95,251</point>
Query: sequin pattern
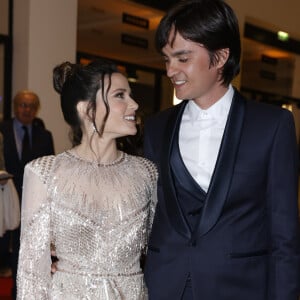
<point>98,217</point>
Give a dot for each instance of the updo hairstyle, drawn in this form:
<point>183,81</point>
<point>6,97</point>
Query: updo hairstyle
<point>77,82</point>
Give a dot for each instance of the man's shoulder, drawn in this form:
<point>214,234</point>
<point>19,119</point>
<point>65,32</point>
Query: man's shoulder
<point>266,109</point>
<point>6,122</point>
<point>6,125</point>
<point>41,130</point>
<point>262,107</point>
<point>43,140</point>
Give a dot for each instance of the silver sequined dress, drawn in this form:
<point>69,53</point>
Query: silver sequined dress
<point>97,217</point>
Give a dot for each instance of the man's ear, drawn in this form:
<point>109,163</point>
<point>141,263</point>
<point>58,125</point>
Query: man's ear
<point>222,55</point>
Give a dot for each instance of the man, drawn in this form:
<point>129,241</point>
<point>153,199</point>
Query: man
<point>39,143</point>
<point>226,224</point>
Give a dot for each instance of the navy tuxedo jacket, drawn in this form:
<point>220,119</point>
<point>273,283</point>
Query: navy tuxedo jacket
<point>246,246</point>
<point>42,144</point>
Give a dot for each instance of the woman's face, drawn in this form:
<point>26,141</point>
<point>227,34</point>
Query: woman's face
<point>121,119</point>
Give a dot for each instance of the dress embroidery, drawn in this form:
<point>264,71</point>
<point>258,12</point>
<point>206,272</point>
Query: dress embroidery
<point>97,217</point>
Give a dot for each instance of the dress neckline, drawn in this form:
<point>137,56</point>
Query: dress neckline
<point>117,161</point>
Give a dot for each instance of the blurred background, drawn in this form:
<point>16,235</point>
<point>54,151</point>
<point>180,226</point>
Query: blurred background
<point>36,35</point>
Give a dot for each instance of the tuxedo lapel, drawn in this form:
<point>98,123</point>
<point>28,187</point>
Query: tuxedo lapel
<point>172,206</point>
<point>221,179</point>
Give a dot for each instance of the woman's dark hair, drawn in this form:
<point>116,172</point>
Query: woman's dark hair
<point>75,83</point>
<point>211,23</point>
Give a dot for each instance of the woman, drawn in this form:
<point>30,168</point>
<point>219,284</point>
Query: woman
<point>93,203</point>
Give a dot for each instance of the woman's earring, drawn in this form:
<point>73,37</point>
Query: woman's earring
<point>94,127</point>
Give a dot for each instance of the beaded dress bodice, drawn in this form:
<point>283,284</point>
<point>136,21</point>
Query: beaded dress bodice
<point>96,216</point>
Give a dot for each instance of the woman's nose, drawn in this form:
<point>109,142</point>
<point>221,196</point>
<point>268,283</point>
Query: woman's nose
<point>133,104</point>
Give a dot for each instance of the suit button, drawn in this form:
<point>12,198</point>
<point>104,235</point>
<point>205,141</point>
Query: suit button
<point>195,212</point>
<point>192,243</point>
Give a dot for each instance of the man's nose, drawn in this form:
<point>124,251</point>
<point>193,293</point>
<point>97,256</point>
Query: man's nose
<point>171,69</point>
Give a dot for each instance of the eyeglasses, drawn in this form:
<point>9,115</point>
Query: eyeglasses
<point>31,106</point>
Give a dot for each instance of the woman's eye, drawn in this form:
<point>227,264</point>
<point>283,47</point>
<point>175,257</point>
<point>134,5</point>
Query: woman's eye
<point>120,95</point>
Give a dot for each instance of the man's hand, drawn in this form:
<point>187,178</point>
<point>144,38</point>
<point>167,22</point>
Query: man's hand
<point>54,260</point>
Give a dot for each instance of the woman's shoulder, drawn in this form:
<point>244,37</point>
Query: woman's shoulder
<point>144,164</point>
<point>42,165</point>
<point>141,160</point>
<point>42,161</point>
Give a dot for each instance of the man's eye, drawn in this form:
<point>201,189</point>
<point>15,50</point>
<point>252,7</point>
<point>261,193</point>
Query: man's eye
<point>183,60</point>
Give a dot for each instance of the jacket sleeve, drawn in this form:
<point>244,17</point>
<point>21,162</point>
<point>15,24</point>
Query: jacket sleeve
<point>2,164</point>
<point>34,265</point>
<point>51,144</point>
<point>282,191</point>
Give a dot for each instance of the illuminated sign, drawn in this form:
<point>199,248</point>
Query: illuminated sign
<point>136,21</point>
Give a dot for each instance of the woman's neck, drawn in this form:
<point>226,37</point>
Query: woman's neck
<point>98,150</point>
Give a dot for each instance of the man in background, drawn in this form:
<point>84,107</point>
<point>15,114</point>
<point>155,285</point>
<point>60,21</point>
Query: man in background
<point>23,140</point>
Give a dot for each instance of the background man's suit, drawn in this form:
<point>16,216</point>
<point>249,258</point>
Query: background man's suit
<point>41,145</point>
<point>240,240</point>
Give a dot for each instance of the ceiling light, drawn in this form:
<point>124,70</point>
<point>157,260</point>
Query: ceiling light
<point>131,75</point>
<point>282,36</point>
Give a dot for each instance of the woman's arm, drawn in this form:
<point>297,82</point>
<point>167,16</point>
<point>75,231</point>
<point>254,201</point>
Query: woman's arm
<point>34,276</point>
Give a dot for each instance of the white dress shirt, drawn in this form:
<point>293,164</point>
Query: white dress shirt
<point>200,135</point>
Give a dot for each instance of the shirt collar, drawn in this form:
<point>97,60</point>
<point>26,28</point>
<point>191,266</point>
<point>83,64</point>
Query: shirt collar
<point>19,125</point>
<point>218,111</point>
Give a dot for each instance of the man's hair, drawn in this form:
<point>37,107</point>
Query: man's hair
<point>22,93</point>
<point>211,23</point>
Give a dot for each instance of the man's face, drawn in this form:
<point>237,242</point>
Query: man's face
<point>26,108</point>
<point>189,67</point>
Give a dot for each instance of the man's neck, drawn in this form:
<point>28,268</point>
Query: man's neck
<point>207,100</point>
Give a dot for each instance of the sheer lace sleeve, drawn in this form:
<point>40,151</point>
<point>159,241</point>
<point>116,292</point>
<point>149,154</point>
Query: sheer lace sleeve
<point>153,174</point>
<point>34,276</point>
<point>153,200</point>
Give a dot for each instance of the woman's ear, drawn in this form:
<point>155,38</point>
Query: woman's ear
<point>82,109</point>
